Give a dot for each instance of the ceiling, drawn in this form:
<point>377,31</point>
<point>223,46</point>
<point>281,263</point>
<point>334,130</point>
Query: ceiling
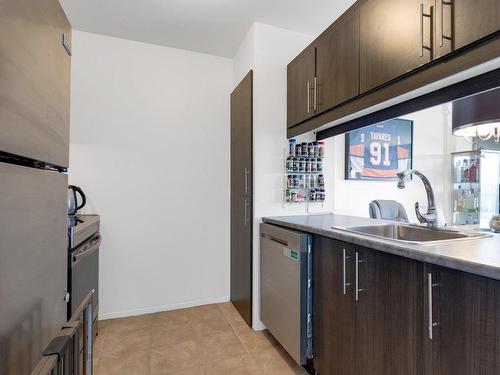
<point>215,27</point>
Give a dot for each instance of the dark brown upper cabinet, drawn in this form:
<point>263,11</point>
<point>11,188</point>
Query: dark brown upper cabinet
<point>462,22</point>
<point>301,87</point>
<point>395,38</point>
<point>337,61</point>
<point>462,323</point>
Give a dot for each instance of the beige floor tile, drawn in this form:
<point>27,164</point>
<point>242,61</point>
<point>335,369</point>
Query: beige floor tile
<point>203,328</point>
<point>276,361</point>
<point>122,343</point>
<point>170,358</point>
<point>169,318</point>
<point>256,342</point>
<point>205,312</point>
<point>217,347</point>
<point>162,335</point>
<point>130,323</point>
<point>198,370</point>
<point>134,363</point>
<point>99,344</point>
<point>243,365</point>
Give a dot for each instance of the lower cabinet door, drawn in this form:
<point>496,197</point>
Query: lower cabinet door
<point>333,308</point>
<point>462,323</point>
<point>388,314</point>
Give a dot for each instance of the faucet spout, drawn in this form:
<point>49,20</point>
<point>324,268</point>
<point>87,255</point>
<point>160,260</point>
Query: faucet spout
<point>431,216</point>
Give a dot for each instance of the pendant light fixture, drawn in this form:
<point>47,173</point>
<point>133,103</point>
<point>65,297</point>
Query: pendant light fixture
<point>477,117</point>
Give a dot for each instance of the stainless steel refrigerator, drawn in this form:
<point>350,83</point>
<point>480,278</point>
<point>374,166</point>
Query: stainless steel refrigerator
<point>34,149</point>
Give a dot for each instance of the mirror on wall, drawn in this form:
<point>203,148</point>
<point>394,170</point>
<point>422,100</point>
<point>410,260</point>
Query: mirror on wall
<point>454,146</point>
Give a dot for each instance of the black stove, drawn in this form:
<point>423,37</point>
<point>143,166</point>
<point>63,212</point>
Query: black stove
<point>83,260</point>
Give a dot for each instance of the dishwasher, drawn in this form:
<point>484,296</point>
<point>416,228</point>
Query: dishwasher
<point>286,290</point>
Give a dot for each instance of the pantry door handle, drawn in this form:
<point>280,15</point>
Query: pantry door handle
<point>422,15</point>
<point>443,37</point>
<point>432,324</point>
<point>345,284</point>
<point>246,181</point>
<point>245,211</point>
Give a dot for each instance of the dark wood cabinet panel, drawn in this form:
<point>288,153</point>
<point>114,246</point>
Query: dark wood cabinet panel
<point>388,314</point>
<point>337,61</point>
<point>34,80</point>
<point>394,37</point>
<point>242,197</point>
<point>300,87</point>
<point>461,22</point>
<point>241,137</point>
<point>463,310</point>
<point>333,308</point>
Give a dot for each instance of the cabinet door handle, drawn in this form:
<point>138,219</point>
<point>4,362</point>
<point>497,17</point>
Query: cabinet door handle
<point>65,44</point>
<point>308,97</point>
<point>432,324</point>
<point>315,93</point>
<point>246,181</point>
<point>345,284</point>
<point>245,211</point>
<point>357,289</point>
<point>443,37</point>
<point>422,16</point>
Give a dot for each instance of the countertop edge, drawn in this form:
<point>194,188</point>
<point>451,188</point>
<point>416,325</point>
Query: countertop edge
<point>390,247</point>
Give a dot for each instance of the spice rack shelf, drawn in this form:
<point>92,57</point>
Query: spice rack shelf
<point>303,178</point>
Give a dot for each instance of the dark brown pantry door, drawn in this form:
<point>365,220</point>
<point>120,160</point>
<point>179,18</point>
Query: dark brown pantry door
<point>463,310</point>
<point>242,197</point>
<point>300,87</point>
<point>461,22</point>
<point>394,39</point>
<point>337,61</point>
<point>388,314</point>
<point>333,307</point>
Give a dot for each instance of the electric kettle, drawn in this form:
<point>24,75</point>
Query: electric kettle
<point>73,204</point>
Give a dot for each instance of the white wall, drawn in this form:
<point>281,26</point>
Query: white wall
<point>150,147</point>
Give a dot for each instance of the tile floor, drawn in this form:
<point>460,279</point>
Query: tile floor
<point>204,340</point>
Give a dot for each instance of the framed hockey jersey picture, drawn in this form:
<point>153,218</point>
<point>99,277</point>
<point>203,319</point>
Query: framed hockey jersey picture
<point>378,152</point>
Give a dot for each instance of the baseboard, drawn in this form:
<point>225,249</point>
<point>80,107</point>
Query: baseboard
<point>154,309</point>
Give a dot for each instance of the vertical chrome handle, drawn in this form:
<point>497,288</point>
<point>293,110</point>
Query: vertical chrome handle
<point>308,97</point>
<point>246,181</point>
<point>422,15</point>
<point>315,93</point>
<point>345,284</point>
<point>443,37</point>
<point>432,324</point>
<point>357,289</point>
<point>245,213</point>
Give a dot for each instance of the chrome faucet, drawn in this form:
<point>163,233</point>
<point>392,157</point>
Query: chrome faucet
<point>431,216</point>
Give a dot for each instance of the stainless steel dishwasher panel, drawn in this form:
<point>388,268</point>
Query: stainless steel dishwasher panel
<point>285,288</point>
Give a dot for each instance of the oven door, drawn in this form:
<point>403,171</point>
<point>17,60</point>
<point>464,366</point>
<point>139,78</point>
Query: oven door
<point>84,275</point>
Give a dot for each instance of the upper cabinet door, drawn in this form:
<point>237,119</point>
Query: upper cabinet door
<point>395,38</point>
<point>300,87</point>
<point>461,22</point>
<point>34,80</point>
<point>337,61</point>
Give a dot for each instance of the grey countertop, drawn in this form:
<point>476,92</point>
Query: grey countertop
<point>477,256</point>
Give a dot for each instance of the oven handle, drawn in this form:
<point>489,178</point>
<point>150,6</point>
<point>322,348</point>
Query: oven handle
<point>94,247</point>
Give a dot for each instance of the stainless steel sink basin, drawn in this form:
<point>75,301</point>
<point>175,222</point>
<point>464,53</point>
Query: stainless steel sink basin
<point>414,234</point>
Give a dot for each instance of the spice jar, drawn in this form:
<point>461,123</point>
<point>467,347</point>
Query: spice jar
<point>319,165</point>
<point>291,147</point>
<point>302,165</point>
<point>314,165</point>
<point>321,181</point>
<point>310,151</point>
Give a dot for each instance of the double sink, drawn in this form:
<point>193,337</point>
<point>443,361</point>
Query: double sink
<point>414,234</point>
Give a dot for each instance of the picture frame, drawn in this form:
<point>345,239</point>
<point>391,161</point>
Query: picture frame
<point>376,152</point>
